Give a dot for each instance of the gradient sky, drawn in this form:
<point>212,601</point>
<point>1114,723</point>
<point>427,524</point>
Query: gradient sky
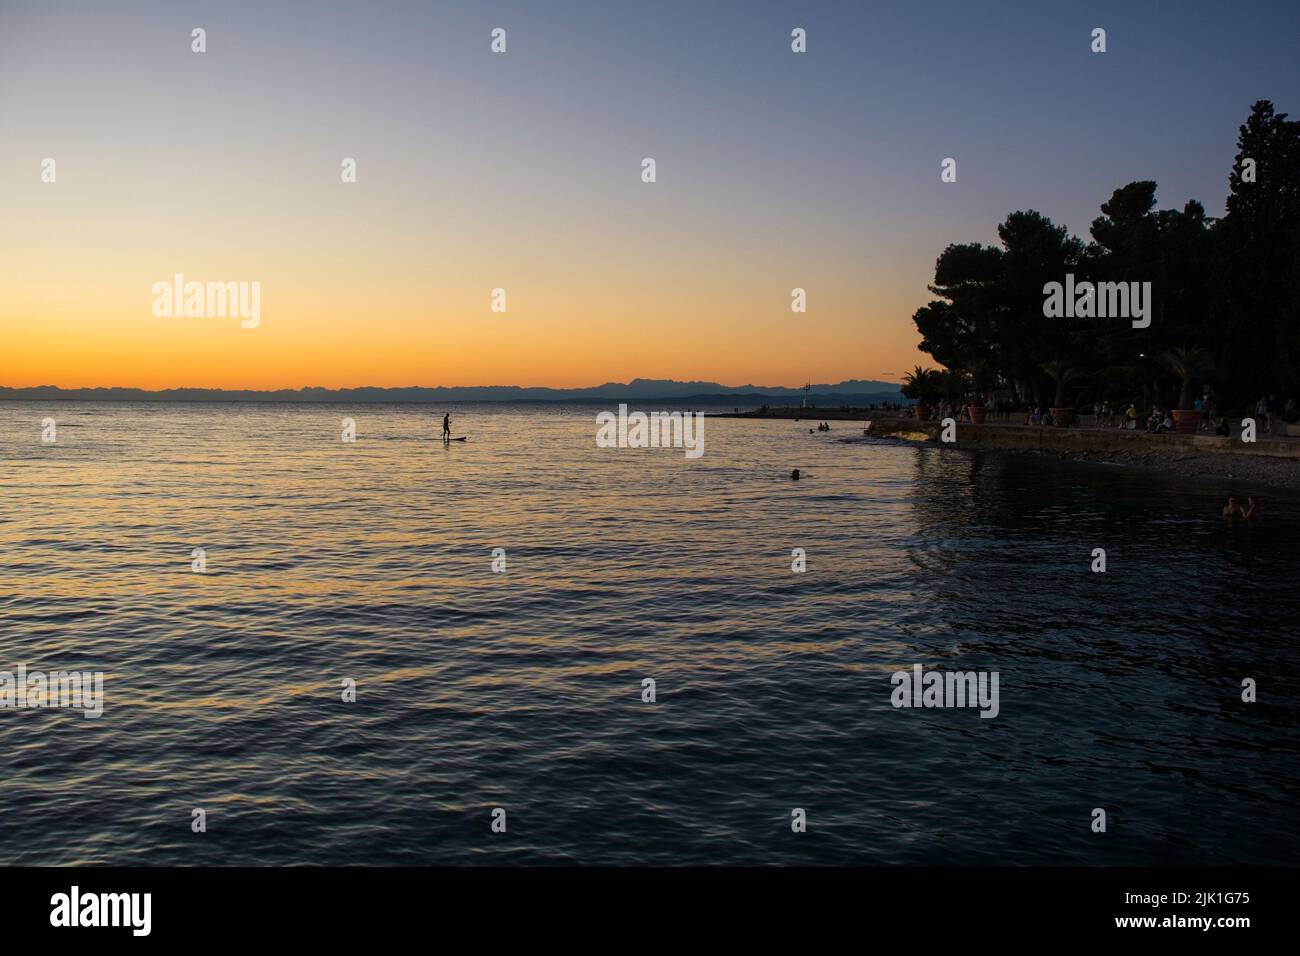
<point>522,171</point>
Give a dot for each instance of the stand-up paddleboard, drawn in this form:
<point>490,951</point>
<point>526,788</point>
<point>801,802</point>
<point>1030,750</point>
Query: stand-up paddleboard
<point>461,438</point>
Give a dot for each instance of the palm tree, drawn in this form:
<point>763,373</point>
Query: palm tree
<point>1187,365</point>
<point>1062,372</point>
<point>919,383</point>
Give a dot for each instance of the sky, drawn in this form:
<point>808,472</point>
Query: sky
<point>522,171</point>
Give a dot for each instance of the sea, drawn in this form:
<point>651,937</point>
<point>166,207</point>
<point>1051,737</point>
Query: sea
<point>525,649</point>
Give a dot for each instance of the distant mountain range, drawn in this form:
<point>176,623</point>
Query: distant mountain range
<point>851,392</point>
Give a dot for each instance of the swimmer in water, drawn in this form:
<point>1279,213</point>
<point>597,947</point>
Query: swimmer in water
<point>1251,511</point>
<point>794,475</point>
<point>1232,511</point>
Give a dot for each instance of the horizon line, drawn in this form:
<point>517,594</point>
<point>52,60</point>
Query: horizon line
<point>348,388</point>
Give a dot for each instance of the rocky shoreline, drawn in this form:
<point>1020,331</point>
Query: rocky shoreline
<point>1270,461</point>
<point>1278,473</point>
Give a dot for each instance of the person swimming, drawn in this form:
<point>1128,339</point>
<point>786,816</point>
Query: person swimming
<point>794,475</point>
<point>1251,511</point>
<point>1232,511</point>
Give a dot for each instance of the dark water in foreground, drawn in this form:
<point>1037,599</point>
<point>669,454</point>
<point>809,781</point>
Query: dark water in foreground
<point>372,561</point>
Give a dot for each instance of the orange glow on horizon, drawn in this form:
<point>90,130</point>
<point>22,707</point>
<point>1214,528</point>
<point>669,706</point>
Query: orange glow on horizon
<point>99,331</point>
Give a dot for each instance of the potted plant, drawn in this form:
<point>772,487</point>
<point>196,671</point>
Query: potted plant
<point>1062,373</point>
<point>1292,419</point>
<point>918,385</point>
<point>1187,364</point>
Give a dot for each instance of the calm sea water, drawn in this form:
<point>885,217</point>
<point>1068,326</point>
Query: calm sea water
<point>372,562</point>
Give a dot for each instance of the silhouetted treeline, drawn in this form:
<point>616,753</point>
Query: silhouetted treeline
<point>1225,293</point>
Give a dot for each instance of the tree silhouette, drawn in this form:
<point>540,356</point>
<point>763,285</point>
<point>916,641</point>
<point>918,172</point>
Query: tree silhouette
<point>1229,286</point>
